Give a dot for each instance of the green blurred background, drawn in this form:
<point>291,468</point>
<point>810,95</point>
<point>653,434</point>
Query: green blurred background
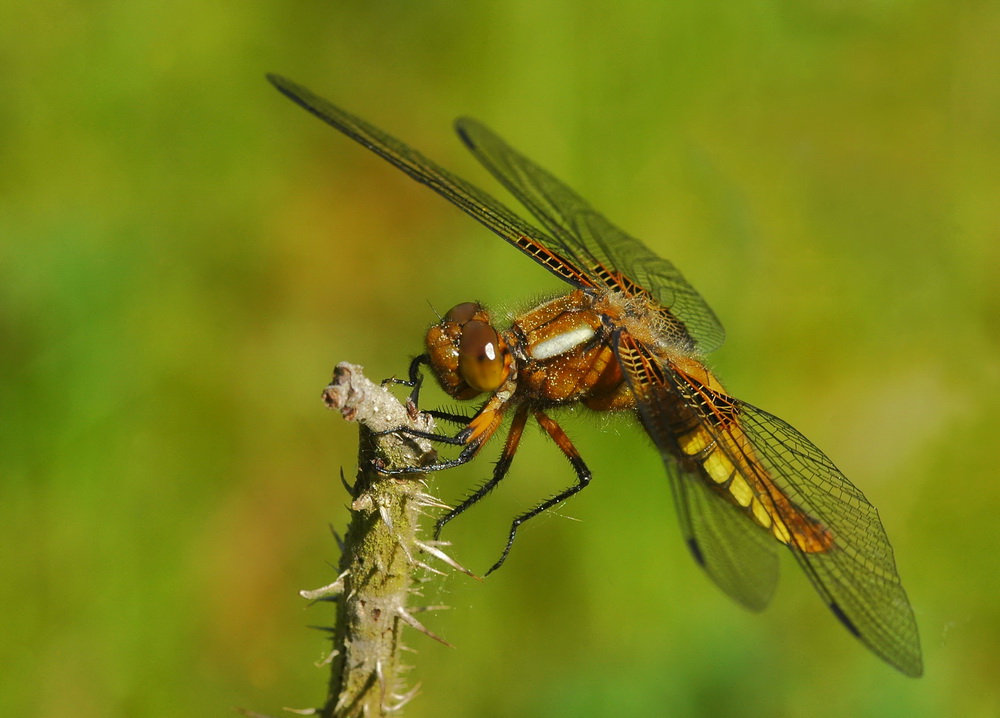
<point>185,255</point>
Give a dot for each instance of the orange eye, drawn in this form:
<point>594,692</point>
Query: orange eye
<point>461,313</point>
<point>480,359</point>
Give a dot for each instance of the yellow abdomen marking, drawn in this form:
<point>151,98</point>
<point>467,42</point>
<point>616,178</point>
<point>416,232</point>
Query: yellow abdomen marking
<point>749,486</point>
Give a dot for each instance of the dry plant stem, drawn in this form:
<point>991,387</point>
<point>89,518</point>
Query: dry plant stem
<point>380,551</point>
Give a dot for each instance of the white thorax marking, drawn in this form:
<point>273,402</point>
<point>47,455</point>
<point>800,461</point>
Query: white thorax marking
<point>562,343</point>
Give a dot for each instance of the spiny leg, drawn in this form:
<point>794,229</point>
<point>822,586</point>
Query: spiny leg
<point>415,382</point>
<point>451,417</point>
<point>469,450</point>
<point>465,456</point>
<point>476,432</point>
<point>582,479</point>
<point>499,471</point>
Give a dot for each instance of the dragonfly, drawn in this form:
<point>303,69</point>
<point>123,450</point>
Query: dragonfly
<point>631,335</point>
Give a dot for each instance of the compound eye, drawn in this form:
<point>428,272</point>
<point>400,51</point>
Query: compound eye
<point>480,359</point>
<point>461,313</point>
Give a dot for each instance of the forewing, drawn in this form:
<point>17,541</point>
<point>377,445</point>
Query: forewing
<point>464,195</point>
<point>736,554</point>
<point>599,248</point>
<point>857,577</point>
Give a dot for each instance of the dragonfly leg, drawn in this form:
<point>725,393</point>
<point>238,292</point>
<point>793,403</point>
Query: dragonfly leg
<point>456,440</point>
<point>448,416</point>
<point>466,455</point>
<point>415,382</point>
<point>471,437</point>
<point>463,458</point>
<point>582,480</point>
<point>414,379</point>
<point>499,471</point>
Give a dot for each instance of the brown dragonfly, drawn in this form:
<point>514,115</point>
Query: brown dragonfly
<point>631,336</point>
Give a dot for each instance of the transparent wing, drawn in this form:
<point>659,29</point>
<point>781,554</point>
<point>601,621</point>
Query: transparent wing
<point>857,577</point>
<point>738,556</point>
<point>464,195</point>
<point>600,249</point>
<point>830,527</point>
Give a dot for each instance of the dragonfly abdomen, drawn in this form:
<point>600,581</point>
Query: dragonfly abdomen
<point>722,454</point>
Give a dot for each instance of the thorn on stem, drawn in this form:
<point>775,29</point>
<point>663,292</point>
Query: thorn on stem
<point>405,615</point>
<point>331,590</point>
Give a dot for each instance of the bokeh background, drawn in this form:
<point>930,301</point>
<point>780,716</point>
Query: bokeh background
<point>185,255</point>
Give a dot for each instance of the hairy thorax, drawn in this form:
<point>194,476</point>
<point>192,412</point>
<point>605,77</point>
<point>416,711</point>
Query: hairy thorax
<point>565,353</point>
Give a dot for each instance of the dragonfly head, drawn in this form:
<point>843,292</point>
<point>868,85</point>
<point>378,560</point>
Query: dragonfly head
<point>468,356</point>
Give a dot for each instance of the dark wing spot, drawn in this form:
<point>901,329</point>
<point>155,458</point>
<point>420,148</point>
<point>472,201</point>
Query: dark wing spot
<point>844,619</point>
<point>696,552</point>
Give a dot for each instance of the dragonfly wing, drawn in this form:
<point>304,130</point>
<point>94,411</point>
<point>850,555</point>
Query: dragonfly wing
<point>857,577</point>
<point>464,195</point>
<point>598,248</point>
<point>738,556</point>
<point>830,527</point>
